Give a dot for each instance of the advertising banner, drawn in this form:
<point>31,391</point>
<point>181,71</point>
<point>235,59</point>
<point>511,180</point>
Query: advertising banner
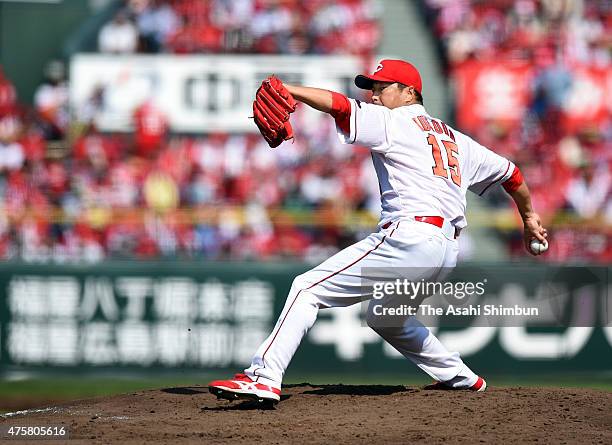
<point>196,93</point>
<point>491,91</point>
<point>501,92</point>
<point>214,315</point>
<point>588,102</point>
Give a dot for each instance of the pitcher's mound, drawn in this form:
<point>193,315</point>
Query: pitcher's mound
<point>337,414</point>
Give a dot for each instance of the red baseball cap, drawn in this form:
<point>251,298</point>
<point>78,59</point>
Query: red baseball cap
<point>390,70</point>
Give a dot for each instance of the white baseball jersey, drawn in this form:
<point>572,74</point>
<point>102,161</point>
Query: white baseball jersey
<point>424,167</point>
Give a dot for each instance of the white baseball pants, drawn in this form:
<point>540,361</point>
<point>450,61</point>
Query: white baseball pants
<point>338,282</point>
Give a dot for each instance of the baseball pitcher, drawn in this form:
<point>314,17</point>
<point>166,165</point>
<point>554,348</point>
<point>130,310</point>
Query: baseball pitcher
<point>424,169</point>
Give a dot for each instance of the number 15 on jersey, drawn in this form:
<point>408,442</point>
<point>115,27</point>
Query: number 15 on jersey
<point>452,151</point>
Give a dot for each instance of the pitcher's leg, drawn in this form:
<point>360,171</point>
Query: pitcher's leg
<point>274,354</point>
<point>336,282</point>
<point>417,343</point>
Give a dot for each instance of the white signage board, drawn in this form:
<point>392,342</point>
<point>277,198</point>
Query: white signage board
<point>198,94</point>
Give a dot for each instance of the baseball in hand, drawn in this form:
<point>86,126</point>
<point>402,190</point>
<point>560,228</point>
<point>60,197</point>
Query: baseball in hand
<point>538,247</point>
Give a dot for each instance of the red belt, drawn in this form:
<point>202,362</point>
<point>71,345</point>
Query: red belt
<point>437,221</point>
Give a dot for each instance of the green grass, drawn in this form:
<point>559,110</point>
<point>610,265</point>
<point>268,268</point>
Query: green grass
<point>19,394</point>
<point>29,393</point>
<point>80,386</point>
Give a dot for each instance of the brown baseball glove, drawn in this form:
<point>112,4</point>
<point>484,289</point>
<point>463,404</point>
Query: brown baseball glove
<point>272,107</point>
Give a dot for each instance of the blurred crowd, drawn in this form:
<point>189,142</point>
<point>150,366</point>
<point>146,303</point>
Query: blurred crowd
<point>244,26</point>
<point>152,194</point>
<point>565,47</point>
<point>578,30</point>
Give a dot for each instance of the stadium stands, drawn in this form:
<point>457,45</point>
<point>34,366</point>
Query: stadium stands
<point>150,194</point>
<point>552,62</point>
<point>244,26</point>
<point>228,196</point>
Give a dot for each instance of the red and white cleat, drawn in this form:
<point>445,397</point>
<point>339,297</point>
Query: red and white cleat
<point>242,387</point>
<point>479,386</point>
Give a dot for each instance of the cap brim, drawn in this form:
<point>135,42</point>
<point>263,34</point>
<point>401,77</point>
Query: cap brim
<point>367,82</point>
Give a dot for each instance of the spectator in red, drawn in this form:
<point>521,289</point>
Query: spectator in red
<point>33,143</point>
<point>150,129</point>
<point>8,95</point>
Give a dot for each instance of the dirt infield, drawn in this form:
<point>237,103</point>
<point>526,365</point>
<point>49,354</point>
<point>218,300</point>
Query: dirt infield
<point>336,414</point>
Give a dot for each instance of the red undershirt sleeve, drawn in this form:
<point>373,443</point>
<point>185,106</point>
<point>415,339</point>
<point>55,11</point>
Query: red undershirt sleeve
<point>341,111</point>
<point>514,181</point>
